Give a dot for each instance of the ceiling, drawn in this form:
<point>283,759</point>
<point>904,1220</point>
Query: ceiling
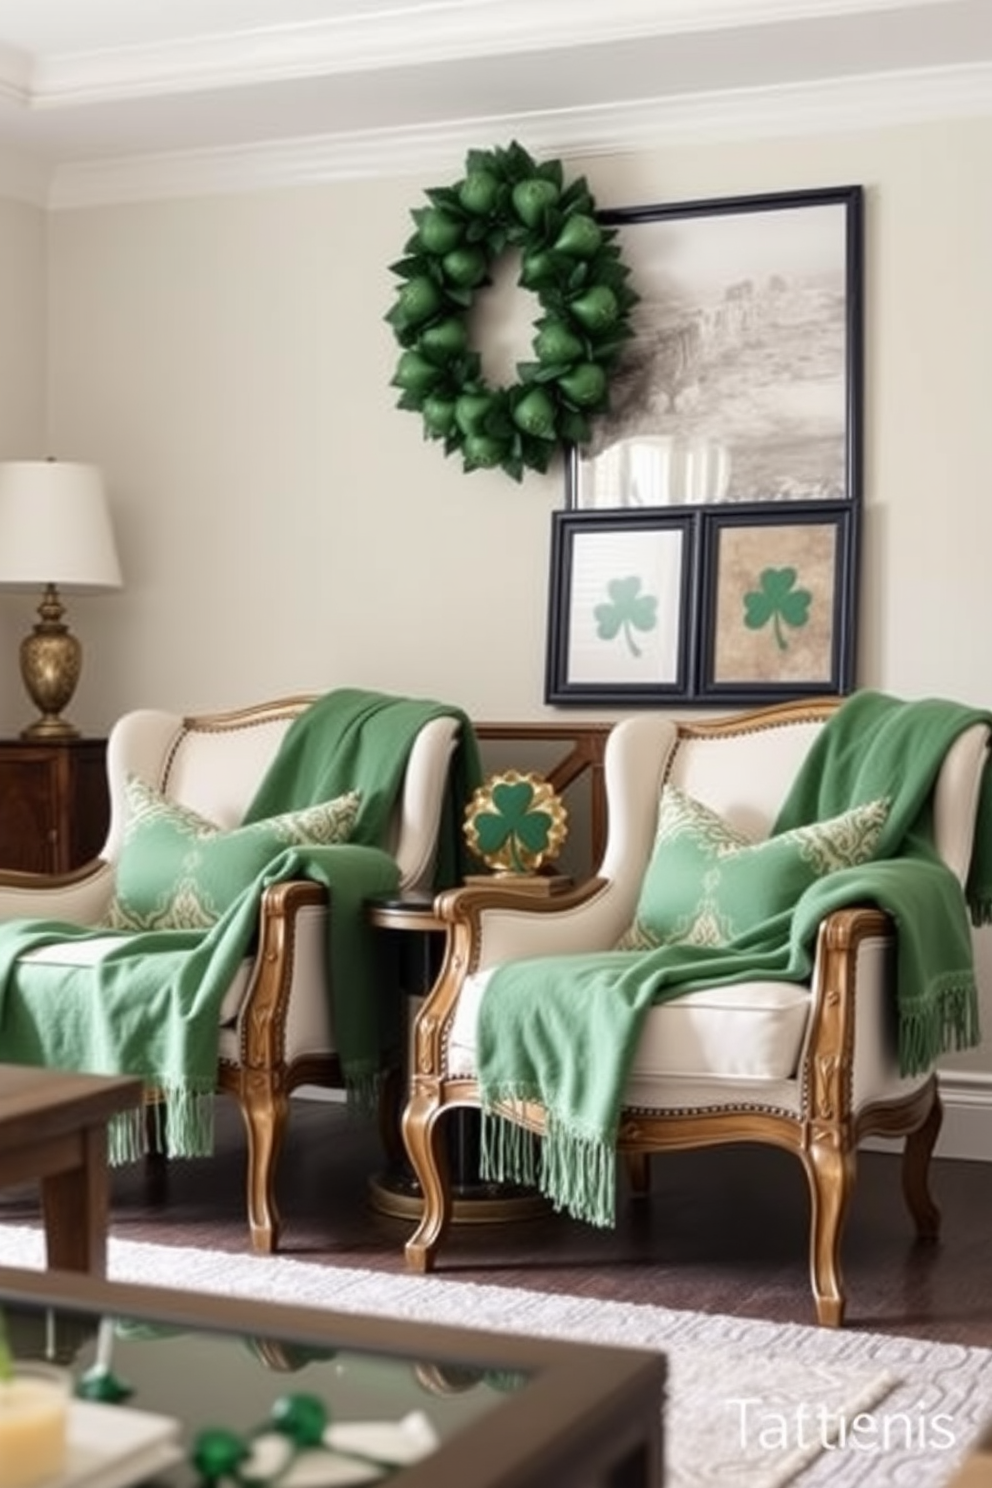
<point>85,81</point>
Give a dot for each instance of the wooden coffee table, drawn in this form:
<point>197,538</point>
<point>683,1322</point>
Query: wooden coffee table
<point>508,1411</point>
<point>53,1129</point>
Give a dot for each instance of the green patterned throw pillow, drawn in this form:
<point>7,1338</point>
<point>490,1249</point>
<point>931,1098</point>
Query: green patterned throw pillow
<point>707,883</point>
<point>179,871</point>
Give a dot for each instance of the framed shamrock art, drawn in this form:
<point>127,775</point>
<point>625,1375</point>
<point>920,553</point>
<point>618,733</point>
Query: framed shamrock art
<point>622,594</point>
<point>750,603</point>
<point>777,602</point>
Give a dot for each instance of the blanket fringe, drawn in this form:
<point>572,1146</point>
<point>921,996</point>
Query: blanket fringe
<point>178,1122</point>
<point>576,1171</point>
<point>980,909</point>
<point>363,1091</point>
<point>508,1153</point>
<point>946,1022</point>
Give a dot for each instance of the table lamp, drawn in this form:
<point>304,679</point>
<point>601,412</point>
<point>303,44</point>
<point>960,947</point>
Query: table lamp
<point>54,532</point>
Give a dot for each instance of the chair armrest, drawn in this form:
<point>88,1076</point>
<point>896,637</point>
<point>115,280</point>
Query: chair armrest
<point>81,897</point>
<point>266,1013</point>
<point>496,922</point>
<point>852,1018</point>
<point>487,924</point>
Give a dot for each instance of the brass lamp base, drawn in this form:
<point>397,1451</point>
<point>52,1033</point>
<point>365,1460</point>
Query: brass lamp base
<point>51,660</point>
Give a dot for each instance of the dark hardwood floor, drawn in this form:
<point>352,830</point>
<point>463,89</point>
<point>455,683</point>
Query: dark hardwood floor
<point>723,1231</point>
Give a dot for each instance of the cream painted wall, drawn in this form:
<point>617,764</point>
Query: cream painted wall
<point>23,298</point>
<point>282,526</point>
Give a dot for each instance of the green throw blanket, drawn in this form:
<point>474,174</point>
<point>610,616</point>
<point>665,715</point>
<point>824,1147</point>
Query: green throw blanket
<point>563,1030</point>
<point>150,1005</point>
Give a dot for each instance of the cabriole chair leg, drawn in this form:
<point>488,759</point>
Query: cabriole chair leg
<point>831,1167</point>
<point>428,1154</point>
<point>916,1172</point>
<point>265,1111</point>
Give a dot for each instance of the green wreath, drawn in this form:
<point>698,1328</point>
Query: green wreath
<point>569,261</point>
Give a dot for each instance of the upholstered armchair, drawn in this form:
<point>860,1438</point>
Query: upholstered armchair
<point>276,1024</point>
<point>810,1066</point>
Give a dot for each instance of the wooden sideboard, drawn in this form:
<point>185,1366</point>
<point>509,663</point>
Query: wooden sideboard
<point>54,805</point>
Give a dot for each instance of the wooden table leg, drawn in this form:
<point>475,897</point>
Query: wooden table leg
<point>76,1208</point>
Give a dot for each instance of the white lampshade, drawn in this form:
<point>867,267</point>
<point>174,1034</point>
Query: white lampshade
<point>55,527</point>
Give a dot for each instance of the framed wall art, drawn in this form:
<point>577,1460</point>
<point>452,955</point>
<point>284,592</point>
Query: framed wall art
<point>742,604</point>
<point>743,380</point>
<point>622,597</point>
<point>776,602</point>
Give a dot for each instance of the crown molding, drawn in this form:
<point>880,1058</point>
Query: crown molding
<point>431,31</point>
<point>838,105</point>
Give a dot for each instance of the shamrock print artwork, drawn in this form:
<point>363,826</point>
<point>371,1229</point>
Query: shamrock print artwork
<point>777,602</point>
<point>627,610</point>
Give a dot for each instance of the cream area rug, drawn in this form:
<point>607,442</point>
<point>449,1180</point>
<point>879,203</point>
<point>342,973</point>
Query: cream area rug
<point>750,1404</point>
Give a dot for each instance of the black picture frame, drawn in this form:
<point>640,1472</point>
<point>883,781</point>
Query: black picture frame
<point>744,380</point>
<point>739,604</point>
<point>622,595</point>
<point>777,602</point>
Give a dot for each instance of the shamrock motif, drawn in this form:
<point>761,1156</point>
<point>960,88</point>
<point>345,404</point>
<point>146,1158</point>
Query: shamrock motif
<point>514,822</point>
<point>777,601</point>
<point>99,1382</point>
<point>628,610</point>
<point>299,1447</point>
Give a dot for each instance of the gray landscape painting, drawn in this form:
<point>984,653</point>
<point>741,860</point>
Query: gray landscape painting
<point>735,386</point>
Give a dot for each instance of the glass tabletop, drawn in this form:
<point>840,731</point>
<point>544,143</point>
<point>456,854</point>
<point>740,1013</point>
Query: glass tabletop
<point>247,1409</point>
<point>180,1389</point>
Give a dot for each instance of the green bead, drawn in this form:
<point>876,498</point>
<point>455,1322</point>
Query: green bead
<point>439,415</point>
<point>449,338</point>
<point>218,1452</point>
<point>484,450</point>
<point>439,232</point>
<point>415,374</point>
<point>535,414</point>
<point>418,299</point>
<point>597,308</point>
<point>302,1417</point>
<point>471,410</point>
<point>532,198</point>
<point>537,268</point>
<point>479,192</point>
<point>580,237</point>
<point>102,1385</point>
<point>556,343</point>
<point>584,384</point>
<point>466,267</point>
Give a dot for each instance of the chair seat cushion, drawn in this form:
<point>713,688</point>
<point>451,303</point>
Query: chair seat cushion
<point>76,959</point>
<point>751,1030</point>
<point>179,871</point>
<point>708,883</point>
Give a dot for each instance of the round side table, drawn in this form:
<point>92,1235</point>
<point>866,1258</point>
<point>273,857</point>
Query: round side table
<point>396,1191</point>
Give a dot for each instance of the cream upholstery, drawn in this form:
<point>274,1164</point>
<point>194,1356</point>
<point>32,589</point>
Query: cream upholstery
<point>811,1068</point>
<point>276,1026</point>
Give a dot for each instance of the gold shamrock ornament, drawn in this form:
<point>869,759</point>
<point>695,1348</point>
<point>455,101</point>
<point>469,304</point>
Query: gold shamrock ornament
<point>515,822</point>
